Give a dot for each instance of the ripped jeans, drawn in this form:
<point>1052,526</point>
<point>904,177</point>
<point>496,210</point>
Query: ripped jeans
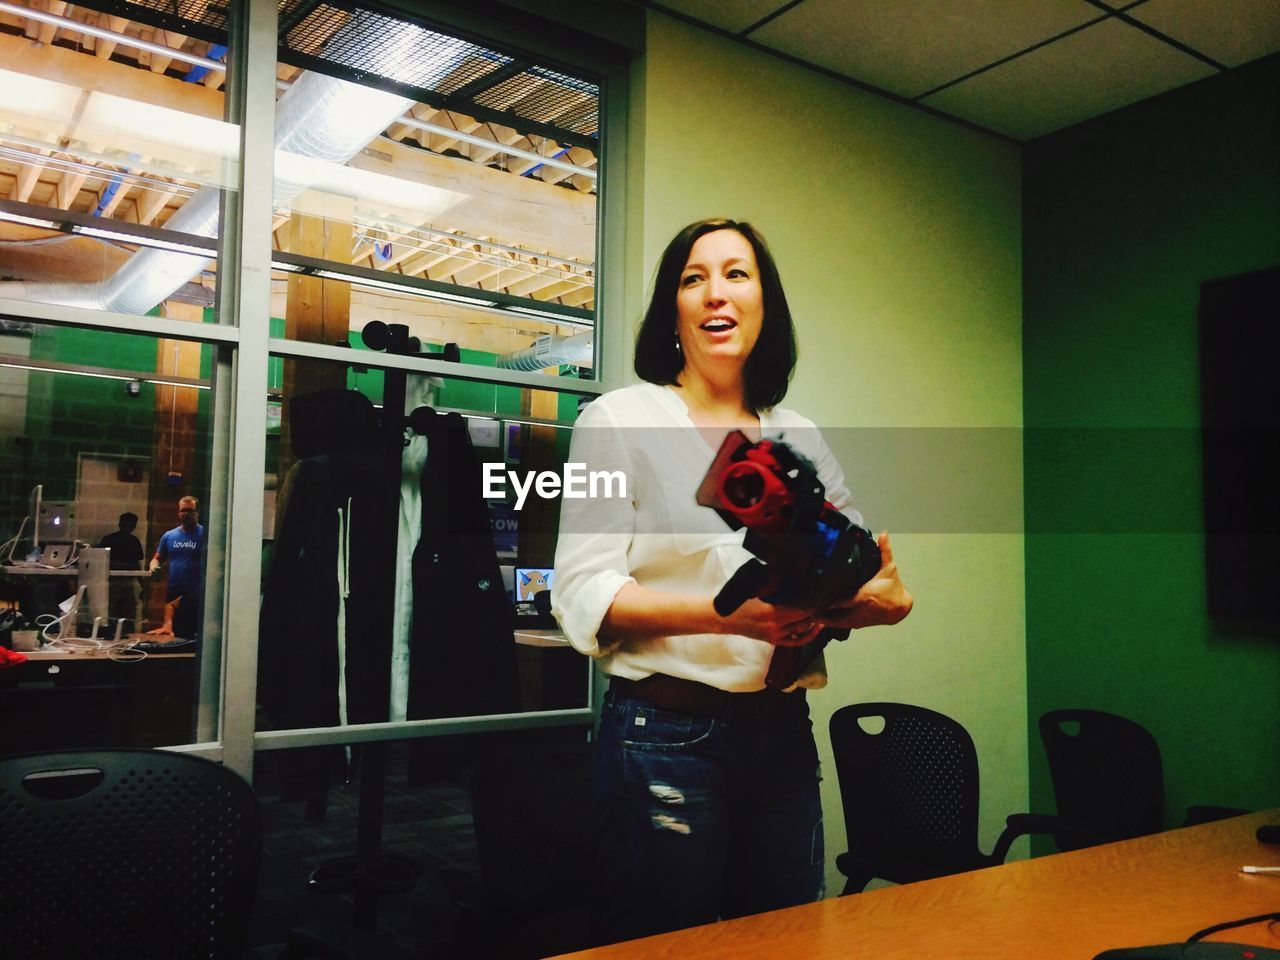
<point>698,818</point>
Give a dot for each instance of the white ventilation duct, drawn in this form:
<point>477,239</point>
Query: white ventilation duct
<point>319,118</point>
<point>550,351</point>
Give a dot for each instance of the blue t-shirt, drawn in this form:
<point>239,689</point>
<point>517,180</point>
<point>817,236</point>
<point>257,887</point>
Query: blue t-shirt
<point>181,551</point>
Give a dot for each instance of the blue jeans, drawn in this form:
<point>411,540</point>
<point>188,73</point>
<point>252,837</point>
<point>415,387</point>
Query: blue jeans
<point>698,818</point>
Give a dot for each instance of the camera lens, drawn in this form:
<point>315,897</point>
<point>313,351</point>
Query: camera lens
<point>744,488</point>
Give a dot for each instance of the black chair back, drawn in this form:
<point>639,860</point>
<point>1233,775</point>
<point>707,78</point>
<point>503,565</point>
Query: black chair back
<point>910,791</point>
<point>125,853</point>
<point>1107,775</point>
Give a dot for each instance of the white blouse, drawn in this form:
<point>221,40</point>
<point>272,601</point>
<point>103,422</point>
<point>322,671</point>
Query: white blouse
<point>659,537</point>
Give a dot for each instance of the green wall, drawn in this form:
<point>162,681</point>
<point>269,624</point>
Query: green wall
<point>1125,215</point>
<point>897,235</point>
<point>69,415</point>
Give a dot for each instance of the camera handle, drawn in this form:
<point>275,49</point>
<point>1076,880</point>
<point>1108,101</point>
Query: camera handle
<point>746,582</point>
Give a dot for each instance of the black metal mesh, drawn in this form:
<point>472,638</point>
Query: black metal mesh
<point>206,19</point>
<point>375,45</point>
<point>439,69</point>
<point>549,97</point>
<point>143,854</point>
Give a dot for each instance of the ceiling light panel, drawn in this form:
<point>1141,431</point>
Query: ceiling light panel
<point>1101,68</point>
<point>732,15</point>
<point>1229,31</point>
<point>909,48</point>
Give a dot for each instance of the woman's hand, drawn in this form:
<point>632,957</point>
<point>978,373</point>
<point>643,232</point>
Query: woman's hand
<point>881,600</point>
<point>779,625</point>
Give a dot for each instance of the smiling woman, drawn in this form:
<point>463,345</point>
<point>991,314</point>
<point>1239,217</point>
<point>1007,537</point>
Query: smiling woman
<point>745,290</point>
<point>706,786</point>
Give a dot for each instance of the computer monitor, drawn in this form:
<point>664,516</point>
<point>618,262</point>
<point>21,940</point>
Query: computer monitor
<point>56,521</point>
<point>529,581</point>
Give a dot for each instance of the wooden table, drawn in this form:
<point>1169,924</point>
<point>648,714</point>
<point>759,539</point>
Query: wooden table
<point>1071,906</point>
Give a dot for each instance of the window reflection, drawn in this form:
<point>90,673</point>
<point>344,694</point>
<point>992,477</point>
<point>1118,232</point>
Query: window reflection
<point>391,590</point>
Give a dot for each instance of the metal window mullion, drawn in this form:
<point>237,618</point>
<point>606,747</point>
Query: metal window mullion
<point>251,81</point>
<point>413,729</point>
<point>427,365</point>
<point>58,315</point>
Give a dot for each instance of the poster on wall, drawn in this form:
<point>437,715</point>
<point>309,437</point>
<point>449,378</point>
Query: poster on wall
<point>505,524</point>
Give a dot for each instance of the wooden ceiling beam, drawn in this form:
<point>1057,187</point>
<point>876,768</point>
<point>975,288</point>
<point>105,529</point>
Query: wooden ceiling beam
<point>104,48</point>
<point>434,264</point>
<point>120,79</point>
<point>28,176</point>
<point>49,30</point>
<point>122,191</point>
<point>69,185</point>
<point>583,297</point>
<point>439,142</point>
<point>159,62</point>
<point>521,211</point>
<point>555,290</point>
<point>476,273</point>
<point>529,285</point>
<point>506,136</point>
<point>404,253</point>
<point>150,202</point>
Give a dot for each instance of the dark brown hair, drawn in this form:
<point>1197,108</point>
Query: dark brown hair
<point>768,370</point>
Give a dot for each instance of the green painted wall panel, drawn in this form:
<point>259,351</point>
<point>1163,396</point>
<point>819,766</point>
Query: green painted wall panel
<point>1125,216</point>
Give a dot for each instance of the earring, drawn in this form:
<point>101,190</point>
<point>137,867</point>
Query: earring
<point>677,343</point>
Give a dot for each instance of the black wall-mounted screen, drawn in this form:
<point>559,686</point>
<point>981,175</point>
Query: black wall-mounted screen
<point>1240,414</point>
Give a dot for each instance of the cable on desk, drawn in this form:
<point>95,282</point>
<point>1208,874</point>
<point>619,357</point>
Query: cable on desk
<point>1219,927</point>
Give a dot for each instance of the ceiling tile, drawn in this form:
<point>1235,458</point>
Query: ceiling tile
<point>1100,68</point>
<point>731,15</point>
<point>1229,31</point>
<point>909,47</point>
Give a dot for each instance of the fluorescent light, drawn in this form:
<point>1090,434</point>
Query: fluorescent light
<point>288,267</point>
<point>162,381</point>
<point>102,33</point>
<point>106,234</point>
<point>28,221</point>
<point>562,318</point>
<point>403,288</point>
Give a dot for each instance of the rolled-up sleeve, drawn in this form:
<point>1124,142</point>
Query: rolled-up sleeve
<point>596,533</point>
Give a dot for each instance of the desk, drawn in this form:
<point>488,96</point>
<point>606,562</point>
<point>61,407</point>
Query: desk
<point>60,699</point>
<point>1070,906</point>
<point>553,676</point>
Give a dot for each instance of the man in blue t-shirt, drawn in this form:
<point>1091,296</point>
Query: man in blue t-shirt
<point>181,550</point>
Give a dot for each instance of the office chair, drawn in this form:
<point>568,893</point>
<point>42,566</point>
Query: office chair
<point>125,853</point>
<point>910,797</point>
<point>530,802</point>
<point>1108,778</point>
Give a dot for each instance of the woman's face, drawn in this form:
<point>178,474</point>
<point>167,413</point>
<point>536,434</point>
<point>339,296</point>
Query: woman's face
<point>719,303</point>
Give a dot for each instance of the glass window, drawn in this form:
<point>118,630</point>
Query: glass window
<point>105,507</point>
<point>405,557</point>
<point>115,156</point>
<point>452,186</point>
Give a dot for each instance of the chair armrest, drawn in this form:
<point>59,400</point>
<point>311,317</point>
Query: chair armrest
<point>1022,824</point>
<point>1202,813</point>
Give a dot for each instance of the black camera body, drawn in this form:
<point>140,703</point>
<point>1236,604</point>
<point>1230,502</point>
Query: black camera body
<point>809,554</point>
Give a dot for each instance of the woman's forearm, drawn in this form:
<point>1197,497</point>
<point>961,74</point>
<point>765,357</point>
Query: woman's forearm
<point>642,613</point>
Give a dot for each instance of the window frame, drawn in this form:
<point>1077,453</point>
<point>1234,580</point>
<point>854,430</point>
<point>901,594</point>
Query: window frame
<point>243,345</point>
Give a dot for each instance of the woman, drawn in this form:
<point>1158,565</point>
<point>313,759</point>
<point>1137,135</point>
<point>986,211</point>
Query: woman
<point>706,784</point>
